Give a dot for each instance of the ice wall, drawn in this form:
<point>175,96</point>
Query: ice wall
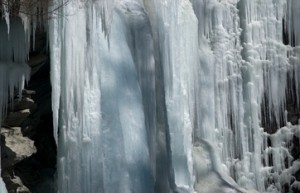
<point>13,68</point>
<point>161,96</point>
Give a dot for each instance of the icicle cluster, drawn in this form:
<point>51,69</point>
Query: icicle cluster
<point>33,14</point>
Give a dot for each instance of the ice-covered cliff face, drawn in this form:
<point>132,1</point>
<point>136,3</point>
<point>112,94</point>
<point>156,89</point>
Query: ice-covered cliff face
<point>175,95</point>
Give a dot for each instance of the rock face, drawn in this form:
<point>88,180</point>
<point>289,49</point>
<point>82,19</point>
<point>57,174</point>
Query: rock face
<point>15,146</point>
<point>20,147</point>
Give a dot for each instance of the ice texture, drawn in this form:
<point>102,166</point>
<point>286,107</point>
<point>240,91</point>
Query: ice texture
<point>176,91</point>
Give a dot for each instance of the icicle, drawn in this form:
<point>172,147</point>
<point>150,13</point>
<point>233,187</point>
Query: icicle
<point>106,12</point>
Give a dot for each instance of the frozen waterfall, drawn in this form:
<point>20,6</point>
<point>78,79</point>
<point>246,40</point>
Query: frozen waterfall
<point>187,83</point>
<point>162,96</point>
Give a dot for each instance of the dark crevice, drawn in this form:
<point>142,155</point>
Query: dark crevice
<point>285,35</point>
<point>38,171</point>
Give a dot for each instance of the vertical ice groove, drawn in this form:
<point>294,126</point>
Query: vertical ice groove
<point>138,35</point>
<point>106,11</point>
<point>178,52</point>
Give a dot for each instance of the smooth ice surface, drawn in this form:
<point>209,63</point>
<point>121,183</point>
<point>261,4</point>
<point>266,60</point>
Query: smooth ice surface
<point>220,70</point>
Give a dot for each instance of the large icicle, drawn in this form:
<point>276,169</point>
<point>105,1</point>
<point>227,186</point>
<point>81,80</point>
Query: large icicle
<point>57,11</point>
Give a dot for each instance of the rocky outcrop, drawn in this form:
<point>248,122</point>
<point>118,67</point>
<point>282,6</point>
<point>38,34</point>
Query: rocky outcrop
<point>15,146</point>
<point>20,147</point>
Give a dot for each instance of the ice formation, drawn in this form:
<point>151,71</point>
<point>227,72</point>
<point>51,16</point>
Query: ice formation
<point>182,82</point>
<point>169,95</point>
